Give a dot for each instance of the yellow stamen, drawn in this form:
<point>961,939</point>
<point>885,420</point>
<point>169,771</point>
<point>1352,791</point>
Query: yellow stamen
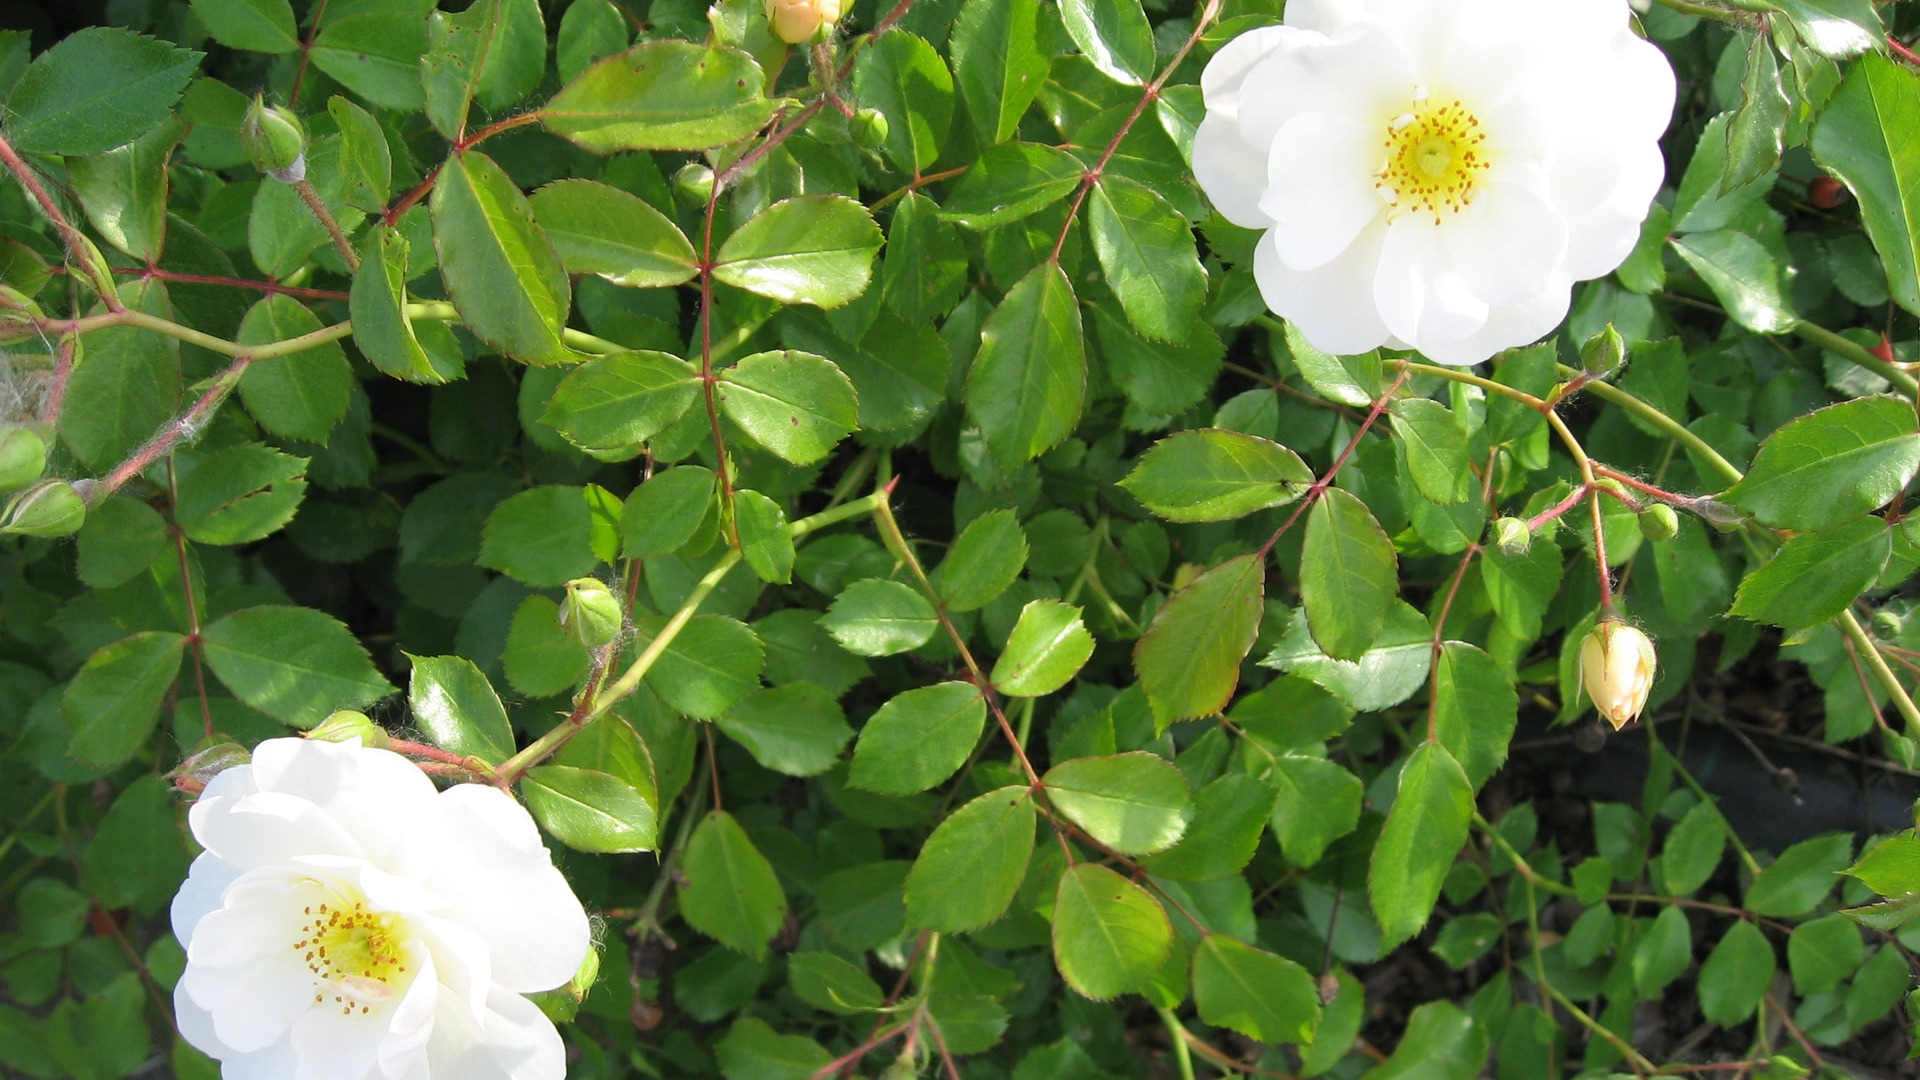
<point>1434,158</point>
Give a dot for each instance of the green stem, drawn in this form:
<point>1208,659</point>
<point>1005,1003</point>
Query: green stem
<point>1870,655</point>
<point>1854,353</point>
<point>1520,861</point>
<point>1641,1066</point>
<point>1182,1057</point>
<point>1746,857</point>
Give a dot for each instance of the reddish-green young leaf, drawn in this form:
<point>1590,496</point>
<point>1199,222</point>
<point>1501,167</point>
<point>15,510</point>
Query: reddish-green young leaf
<point>1188,661</point>
<point>1109,934</point>
<point>1256,993</point>
<point>730,892</point>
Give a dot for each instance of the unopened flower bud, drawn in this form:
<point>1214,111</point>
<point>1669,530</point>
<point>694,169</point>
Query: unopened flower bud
<point>1616,666</point>
<point>591,615</point>
<point>1722,517</point>
<point>1658,522</point>
<point>274,141</point>
<point>1888,624</point>
<point>1603,352</point>
<point>23,457</point>
<point>347,725</point>
<point>694,183</point>
<point>797,22</point>
<point>194,774</point>
<point>1512,536</point>
<point>49,509</point>
<point>869,128</point>
<point>904,1067</point>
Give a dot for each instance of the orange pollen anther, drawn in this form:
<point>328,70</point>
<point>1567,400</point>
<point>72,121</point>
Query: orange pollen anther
<point>1434,157</point>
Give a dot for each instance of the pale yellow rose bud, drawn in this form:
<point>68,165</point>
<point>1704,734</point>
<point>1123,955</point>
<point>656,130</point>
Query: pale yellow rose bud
<point>797,22</point>
<point>1616,665</point>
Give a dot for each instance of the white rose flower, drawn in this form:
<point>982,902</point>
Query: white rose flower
<point>347,920</point>
<point>1434,174</point>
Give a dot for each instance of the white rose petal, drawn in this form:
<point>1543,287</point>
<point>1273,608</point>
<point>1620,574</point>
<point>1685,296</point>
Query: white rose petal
<point>1435,174</point>
<point>349,921</point>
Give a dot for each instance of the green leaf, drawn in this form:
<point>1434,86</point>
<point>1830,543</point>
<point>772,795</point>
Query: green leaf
<point>1736,974</point>
<point>300,395</point>
<point>1745,274</point>
<point>918,738</point>
<point>1466,938</point>
<point>1890,867</point>
<point>96,89</point>
<point>378,305</point>
<point>1475,709</point>
<point>1436,450</point>
<point>282,231</point>
<point>599,229</point>
<point>1349,577</point>
<point>752,1050</point>
<point>730,892</point>
<point>1864,136</point>
<point>985,560</point>
<point>1441,1042</point>
<point>1386,675</point>
<point>1755,130</point>
<point>1135,803</point>
<point>1229,815</point>
<point>1693,849</point>
<point>1109,934</point>
<point>1520,587</point>
<point>1030,373</point>
<point>666,511</point>
<point>542,536</point>
<point>376,54</point>
<point>1317,803</point>
<point>1836,29</point>
<point>590,30</point>
<point>1803,875</point>
<point>591,811</point>
<point>765,543</point>
<point>922,273</point>
<point>1000,61</point>
<point>264,26</point>
<point>825,981</point>
<point>1158,379</point>
<point>621,400</point>
<point>124,190</point>
<point>1832,465</point>
<point>130,380</point>
<point>795,404</point>
<point>1425,829</point>
<point>1704,203</point>
<point>1188,661</point>
<point>137,857</point>
<point>1146,248</point>
<point>1011,181</point>
<point>1349,380</point>
<point>1216,475</point>
<point>810,249</point>
<point>540,658</point>
<point>1663,953</point>
<point>295,664</point>
<point>1821,952</point>
<point>906,80</point>
<point>1256,993</point>
<point>661,95</point>
<point>712,663</point>
<point>366,162</point>
<point>500,269</point>
<point>1048,645</point>
<point>112,701</point>
<point>1815,575</point>
<point>1114,35</point>
<point>455,707</point>
<point>495,50</point>
<point>969,869</point>
<point>876,617</point>
<point>796,729</point>
<point>121,538</point>
<point>238,495</point>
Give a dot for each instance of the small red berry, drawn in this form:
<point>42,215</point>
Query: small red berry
<point>1884,350</point>
<point>1826,193</point>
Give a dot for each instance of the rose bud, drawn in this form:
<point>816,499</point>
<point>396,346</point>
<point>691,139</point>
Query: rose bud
<point>1616,666</point>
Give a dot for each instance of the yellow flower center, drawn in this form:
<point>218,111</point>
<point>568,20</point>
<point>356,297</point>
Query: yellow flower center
<point>354,955</point>
<point>1434,158</point>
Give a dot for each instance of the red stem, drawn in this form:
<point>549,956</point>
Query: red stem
<point>1326,481</point>
<point>306,51</point>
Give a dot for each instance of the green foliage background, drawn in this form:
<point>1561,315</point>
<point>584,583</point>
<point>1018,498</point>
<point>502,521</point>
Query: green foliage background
<point>1034,659</point>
